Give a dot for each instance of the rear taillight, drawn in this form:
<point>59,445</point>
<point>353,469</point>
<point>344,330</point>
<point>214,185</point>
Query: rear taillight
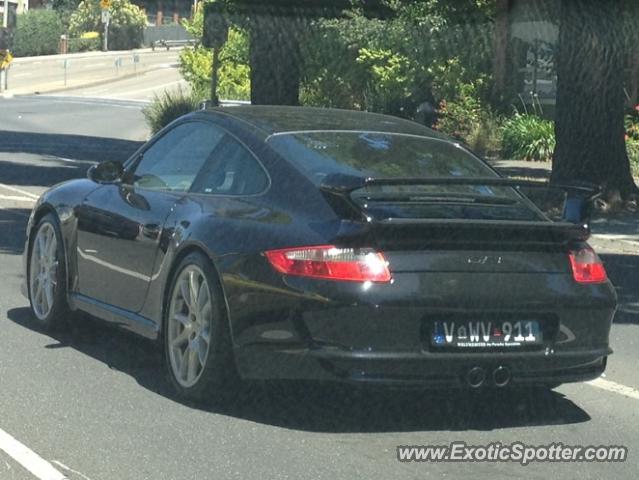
<point>331,263</point>
<point>587,266</point>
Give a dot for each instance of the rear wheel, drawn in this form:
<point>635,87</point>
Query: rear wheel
<point>197,341</point>
<point>47,284</point>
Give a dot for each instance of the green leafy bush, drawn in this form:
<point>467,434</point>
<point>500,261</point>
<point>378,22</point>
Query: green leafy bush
<point>632,147</point>
<point>631,123</point>
<point>234,73</point>
<point>126,28</point>
<point>528,137</point>
<point>420,54</point>
<point>77,45</point>
<point>470,120</point>
<point>169,106</point>
<point>37,33</point>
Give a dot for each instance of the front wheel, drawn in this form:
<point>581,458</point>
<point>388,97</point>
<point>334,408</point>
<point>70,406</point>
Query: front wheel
<point>46,275</point>
<point>197,342</point>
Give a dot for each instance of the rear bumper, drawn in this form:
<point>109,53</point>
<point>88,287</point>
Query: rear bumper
<point>381,333</point>
<point>444,371</point>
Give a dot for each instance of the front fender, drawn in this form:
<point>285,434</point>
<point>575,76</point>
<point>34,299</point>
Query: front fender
<point>60,201</point>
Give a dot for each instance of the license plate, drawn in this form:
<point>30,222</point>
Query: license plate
<point>486,334</point>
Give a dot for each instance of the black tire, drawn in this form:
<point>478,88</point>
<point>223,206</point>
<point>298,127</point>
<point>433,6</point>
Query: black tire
<point>217,381</point>
<point>59,314</point>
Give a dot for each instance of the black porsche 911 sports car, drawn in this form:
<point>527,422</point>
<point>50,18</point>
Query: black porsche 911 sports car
<point>299,243</point>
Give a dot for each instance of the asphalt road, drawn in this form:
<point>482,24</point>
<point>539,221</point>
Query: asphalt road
<point>94,404</point>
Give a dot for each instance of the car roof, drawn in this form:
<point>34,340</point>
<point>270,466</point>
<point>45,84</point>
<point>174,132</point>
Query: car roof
<point>269,120</point>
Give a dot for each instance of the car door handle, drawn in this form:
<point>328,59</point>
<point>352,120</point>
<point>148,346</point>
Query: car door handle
<point>151,231</point>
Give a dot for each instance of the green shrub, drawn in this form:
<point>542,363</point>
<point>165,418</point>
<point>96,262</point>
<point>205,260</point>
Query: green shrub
<point>125,30</point>
<point>528,137</point>
<point>470,120</point>
<point>77,45</point>
<point>631,123</point>
<point>632,147</point>
<point>234,73</point>
<point>37,33</point>
<point>169,106</point>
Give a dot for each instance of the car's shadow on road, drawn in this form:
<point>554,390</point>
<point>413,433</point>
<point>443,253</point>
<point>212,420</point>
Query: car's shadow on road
<point>75,147</point>
<point>13,222</point>
<point>324,408</point>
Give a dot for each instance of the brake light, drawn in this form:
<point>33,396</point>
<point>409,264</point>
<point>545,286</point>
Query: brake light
<point>587,266</point>
<point>331,263</point>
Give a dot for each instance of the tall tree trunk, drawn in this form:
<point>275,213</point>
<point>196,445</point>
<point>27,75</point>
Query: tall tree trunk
<point>590,101</point>
<point>275,61</point>
<point>633,81</point>
<point>500,60</point>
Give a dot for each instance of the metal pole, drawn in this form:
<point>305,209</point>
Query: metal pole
<point>5,14</point>
<point>105,47</point>
<point>214,100</point>
<point>5,24</point>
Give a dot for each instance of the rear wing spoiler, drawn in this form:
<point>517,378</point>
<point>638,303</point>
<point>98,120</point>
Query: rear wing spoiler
<point>577,207</point>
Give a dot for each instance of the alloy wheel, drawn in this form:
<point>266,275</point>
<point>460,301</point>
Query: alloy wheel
<point>189,326</point>
<point>43,271</point>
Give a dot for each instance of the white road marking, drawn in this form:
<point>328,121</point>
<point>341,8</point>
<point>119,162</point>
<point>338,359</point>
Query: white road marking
<point>68,469</point>
<point>20,191</point>
<point>30,460</point>
<point>101,104</point>
<point>71,160</point>
<point>181,83</point>
<point>16,198</point>
<point>615,387</point>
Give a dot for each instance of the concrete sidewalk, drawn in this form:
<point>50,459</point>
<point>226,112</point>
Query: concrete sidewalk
<point>113,53</point>
<point>55,73</point>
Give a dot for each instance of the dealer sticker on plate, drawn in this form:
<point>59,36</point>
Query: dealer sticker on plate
<point>485,334</point>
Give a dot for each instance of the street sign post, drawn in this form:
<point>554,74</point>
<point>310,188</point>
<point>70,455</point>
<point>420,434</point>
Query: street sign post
<point>106,19</point>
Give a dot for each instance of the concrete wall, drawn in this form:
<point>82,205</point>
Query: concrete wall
<point>165,32</point>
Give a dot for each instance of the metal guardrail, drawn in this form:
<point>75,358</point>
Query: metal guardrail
<point>173,43</point>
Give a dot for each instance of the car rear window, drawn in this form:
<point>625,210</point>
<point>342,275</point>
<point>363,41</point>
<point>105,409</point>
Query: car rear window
<point>376,154</point>
<point>383,155</point>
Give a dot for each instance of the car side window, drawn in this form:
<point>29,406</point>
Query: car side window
<point>173,162</point>
<point>231,170</point>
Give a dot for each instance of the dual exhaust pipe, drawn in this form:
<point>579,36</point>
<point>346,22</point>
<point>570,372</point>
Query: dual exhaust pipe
<point>477,376</point>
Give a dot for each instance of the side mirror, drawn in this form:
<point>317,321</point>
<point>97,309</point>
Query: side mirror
<point>106,172</point>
